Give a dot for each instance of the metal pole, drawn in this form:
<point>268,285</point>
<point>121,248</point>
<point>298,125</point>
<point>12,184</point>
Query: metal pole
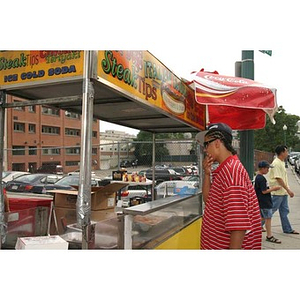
<point>119,156</point>
<point>284,136</point>
<point>128,220</point>
<point>83,206</point>
<point>247,136</point>
<point>153,166</point>
<point>284,128</point>
<point>2,210</point>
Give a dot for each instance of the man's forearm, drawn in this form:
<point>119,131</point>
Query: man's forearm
<point>205,187</point>
<point>236,239</point>
<point>281,183</point>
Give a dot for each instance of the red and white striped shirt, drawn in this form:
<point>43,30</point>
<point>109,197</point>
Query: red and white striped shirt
<point>231,205</point>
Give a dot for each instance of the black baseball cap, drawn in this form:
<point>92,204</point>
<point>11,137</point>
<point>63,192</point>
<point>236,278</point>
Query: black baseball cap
<point>264,164</point>
<point>214,127</point>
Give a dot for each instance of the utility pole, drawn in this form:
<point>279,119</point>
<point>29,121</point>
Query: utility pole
<point>245,69</point>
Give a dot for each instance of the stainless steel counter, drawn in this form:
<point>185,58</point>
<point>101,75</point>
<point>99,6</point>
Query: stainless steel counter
<point>146,225</point>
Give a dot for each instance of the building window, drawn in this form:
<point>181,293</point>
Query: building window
<point>73,150</point>
<point>72,115</point>
<point>32,150</point>
<point>94,134</point>
<point>72,163</point>
<point>19,127</point>
<point>20,108</point>
<point>31,128</point>
<point>94,151</point>
<point>18,150</point>
<point>18,167</point>
<point>72,131</point>
<point>50,111</point>
<point>51,151</point>
<point>51,130</point>
<point>31,108</point>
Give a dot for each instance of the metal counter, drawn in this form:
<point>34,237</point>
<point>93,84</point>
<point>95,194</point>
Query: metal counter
<point>144,226</point>
<point>149,224</point>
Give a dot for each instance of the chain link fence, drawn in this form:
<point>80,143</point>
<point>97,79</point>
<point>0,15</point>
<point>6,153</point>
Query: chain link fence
<point>114,155</point>
<point>143,153</point>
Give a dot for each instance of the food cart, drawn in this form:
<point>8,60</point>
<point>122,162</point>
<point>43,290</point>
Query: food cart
<point>129,88</point>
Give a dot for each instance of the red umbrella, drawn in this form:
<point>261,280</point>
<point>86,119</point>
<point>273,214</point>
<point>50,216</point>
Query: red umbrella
<point>239,102</point>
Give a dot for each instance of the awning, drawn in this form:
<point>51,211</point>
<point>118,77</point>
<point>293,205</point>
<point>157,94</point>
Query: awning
<point>239,102</point>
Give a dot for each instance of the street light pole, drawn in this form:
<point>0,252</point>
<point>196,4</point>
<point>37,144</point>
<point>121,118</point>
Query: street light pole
<point>245,69</point>
<point>284,135</point>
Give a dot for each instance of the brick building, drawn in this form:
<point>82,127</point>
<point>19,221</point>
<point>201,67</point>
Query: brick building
<point>39,135</point>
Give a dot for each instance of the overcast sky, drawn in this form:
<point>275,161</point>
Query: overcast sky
<point>184,35</point>
<point>279,70</point>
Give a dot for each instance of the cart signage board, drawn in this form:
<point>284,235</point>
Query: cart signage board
<point>22,68</point>
<point>140,74</point>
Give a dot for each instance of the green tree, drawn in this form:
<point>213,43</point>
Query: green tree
<point>268,138</point>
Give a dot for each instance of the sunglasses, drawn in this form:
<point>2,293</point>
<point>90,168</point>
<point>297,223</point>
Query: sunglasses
<point>205,144</point>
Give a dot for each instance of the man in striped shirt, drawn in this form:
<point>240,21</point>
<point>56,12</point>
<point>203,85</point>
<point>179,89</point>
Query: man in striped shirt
<point>231,217</point>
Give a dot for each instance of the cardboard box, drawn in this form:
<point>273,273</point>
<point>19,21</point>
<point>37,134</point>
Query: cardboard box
<point>53,242</point>
<point>103,197</point>
<point>67,216</point>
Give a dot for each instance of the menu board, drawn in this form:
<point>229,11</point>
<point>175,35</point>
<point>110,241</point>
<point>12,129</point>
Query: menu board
<point>141,75</point>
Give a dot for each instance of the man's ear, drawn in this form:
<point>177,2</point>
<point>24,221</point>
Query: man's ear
<point>218,143</point>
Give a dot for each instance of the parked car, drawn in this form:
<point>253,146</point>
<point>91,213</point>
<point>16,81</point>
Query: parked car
<point>191,178</point>
<point>6,202</point>
<point>296,159</point>
<point>134,163</point>
<point>32,183</point>
<point>162,166</point>
<point>50,182</point>
<point>125,164</point>
<point>68,183</point>
<point>105,181</point>
<point>192,169</point>
<point>163,175</point>
<point>76,172</point>
<point>11,175</point>
<point>140,191</point>
<point>181,170</point>
<point>142,172</point>
<point>176,187</point>
<point>292,156</point>
<point>51,169</point>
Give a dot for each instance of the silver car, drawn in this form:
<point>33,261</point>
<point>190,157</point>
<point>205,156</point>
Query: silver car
<point>12,175</point>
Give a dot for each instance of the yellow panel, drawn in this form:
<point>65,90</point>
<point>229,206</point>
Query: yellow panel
<point>27,67</point>
<point>187,238</point>
<point>140,74</point>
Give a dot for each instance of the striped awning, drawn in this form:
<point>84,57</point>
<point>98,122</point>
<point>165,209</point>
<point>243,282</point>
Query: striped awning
<point>239,102</point>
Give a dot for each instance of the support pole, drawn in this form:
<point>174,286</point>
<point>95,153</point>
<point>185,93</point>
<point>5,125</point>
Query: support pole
<point>128,221</point>
<point>83,206</point>
<point>247,136</point>
<point>3,225</point>
<point>153,167</point>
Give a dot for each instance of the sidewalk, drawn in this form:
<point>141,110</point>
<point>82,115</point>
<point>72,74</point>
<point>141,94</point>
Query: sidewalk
<point>288,241</point>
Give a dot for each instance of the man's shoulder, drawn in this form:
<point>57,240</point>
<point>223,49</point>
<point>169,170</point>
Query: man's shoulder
<point>276,161</point>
